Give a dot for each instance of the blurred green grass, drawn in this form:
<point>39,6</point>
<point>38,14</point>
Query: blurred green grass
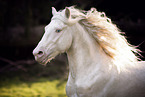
<point>36,81</point>
<point>43,87</point>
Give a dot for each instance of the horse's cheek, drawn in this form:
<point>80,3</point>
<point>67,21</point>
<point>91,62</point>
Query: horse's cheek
<point>64,43</point>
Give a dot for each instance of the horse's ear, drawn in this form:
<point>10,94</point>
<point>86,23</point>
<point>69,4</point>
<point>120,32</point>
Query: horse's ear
<point>53,11</point>
<point>67,12</point>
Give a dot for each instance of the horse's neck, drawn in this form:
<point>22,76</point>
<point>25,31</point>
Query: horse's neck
<point>85,56</point>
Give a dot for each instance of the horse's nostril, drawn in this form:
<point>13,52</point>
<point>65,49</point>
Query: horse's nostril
<point>40,52</point>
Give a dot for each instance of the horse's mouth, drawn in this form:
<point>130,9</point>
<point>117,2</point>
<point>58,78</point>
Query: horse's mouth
<point>45,60</point>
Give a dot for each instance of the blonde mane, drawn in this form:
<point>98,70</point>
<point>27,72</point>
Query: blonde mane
<point>108,36</point>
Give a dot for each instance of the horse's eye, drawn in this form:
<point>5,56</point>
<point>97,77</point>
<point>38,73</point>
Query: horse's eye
<point>58,30</point>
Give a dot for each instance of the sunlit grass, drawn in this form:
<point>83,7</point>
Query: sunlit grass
<point>43,87</point>
<point>36,81</point>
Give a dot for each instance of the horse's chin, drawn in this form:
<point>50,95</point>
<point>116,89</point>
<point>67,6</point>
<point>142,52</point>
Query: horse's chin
<point>45,61</point>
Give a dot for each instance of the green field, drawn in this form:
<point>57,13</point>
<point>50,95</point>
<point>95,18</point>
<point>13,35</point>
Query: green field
<point>42,87</point>
<point>36,81</point>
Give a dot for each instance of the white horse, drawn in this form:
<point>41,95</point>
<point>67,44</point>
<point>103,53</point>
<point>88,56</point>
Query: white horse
<point>101,61</point>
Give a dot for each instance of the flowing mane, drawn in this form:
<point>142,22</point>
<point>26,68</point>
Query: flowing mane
<point>108,36</point>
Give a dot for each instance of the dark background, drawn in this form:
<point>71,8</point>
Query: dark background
<point>22,22</point>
